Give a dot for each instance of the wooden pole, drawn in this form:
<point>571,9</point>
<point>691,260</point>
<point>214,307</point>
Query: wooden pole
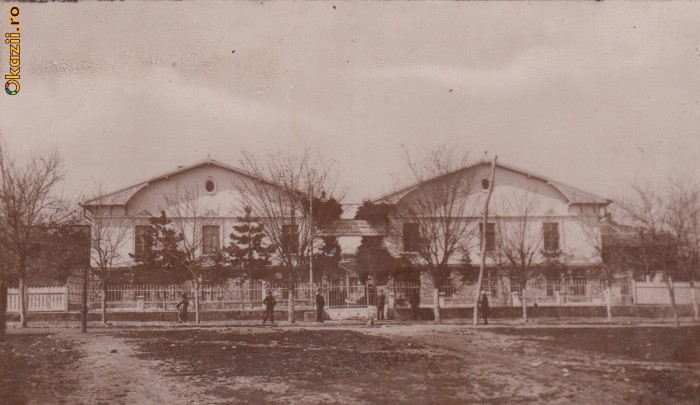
<point>477,294</point>
<point>311,254</point>
<point>83,323</point>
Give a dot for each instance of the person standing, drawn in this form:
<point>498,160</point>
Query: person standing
<point>414,300</point>
<point>381,300</point>
<point>320,303</point>
<point>484,307</point>
<point>269,303</point>
<point>182,308</point>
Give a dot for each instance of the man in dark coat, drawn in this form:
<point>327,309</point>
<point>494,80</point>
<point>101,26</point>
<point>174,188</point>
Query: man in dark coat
<point>484,307</point>
<point>182,308</point>
<point>320,303</point>
<point>414,300</point>
<point>269,303</point>
<point>381,300</point>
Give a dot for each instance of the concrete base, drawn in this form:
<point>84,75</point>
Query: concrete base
<point>399,314</point>
<point>348,313</point>
<point>563,311</point>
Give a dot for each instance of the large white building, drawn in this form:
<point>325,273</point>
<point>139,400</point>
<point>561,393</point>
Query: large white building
<point>558,218</point>
<point>210,194</point>
<point>554,220</point>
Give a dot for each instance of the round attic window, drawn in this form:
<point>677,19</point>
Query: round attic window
<point>485,183</point>
<point>210,186</point>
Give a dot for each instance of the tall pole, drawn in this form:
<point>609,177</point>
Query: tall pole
<point>311,226</point>
<point>84,309</point>
<point>477,295</point>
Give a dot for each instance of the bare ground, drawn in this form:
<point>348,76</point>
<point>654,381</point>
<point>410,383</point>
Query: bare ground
<point>418,363</point>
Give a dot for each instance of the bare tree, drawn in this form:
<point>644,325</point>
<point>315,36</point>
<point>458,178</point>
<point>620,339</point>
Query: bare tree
<point>187,218</point>
<point>27,196</point>
<point>432,221</point>
<point>7,274</point>
<point>682,217</point>
<point>279,196</point>
<point>108,237</point>
<point>519,240</point>
<point>608,243</point>
<point>658,246</point>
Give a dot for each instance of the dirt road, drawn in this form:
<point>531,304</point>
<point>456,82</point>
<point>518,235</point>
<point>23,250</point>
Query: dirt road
<point>419,363</point>
<point>109,373</point>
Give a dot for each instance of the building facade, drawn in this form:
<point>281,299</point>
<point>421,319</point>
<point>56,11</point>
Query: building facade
<point>536,225</point>
<point>207,198</point>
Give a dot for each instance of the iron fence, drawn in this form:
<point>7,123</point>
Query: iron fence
<point>246,295</point>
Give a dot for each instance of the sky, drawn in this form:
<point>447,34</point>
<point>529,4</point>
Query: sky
<point>599,95</point>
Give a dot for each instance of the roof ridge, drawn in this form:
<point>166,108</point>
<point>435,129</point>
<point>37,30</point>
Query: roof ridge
<point>554,183</point>
<point>181,169</point>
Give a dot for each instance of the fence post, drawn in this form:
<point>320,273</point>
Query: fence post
<point>66,298</point>
<point>634,291</point>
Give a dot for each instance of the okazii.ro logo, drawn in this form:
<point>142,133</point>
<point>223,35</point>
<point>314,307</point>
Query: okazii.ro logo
<point>12,38</point>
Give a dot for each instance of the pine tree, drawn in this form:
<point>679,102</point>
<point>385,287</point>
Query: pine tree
<point>162,252</point>
<point>247,251</point>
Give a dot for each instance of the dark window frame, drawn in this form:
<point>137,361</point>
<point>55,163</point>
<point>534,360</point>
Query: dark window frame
<point>411,237</point>
<point>141,247</point>
<point>490,236</point>
<point>211,239</point>
<point>551,236</point>
<point>290,238</point>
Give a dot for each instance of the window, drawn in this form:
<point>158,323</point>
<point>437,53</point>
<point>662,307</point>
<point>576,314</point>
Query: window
<point>491,282</point>
<point>290,238</point>
<point>210,239</point>
<point>411,237</point>
<point>490,236</point>
<point>551,236</point>
<point>142,240</point>
<point>209,186</point>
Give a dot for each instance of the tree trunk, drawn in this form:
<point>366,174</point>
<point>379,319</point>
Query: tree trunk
<point>436,307</point>
<point>672,296</point>
<point>196,300</point>
<point>608,300</point>
<point>22,302</point>
<point>104,304</point>
<point>84,309</point>
<point>524,301</point>
<point>3,309</point>
<point>290,306</point>
<point>694,296</point>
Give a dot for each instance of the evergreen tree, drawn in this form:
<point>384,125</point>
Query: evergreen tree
<point>247,252</point>
<point>326,258</point>
<point>160,262</point>
<point>327,255</point>
<point>372,256</point>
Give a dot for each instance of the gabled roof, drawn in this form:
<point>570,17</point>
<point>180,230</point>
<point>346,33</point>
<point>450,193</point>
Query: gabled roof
<point>572,194</point>
<point>122,196</point>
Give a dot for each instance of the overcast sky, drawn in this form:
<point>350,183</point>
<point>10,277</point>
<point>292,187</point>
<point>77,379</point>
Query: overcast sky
<point>597,95</point>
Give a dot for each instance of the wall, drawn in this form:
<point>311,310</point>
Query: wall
<point>651,311</point>
<point>512,191</point>
<point>220,207</point>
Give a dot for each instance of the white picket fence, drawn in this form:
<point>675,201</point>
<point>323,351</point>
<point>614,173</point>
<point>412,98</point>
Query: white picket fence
<point>39,299</point>
<point>657,293</point>
<point>212,298</point>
